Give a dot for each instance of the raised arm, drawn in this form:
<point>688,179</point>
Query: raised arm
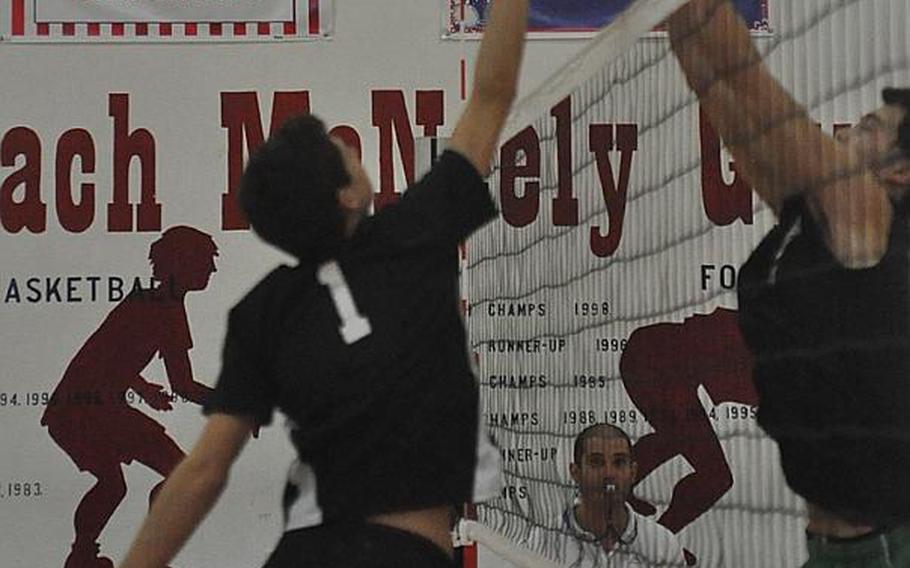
<point>477,133</point>
<point>189,493</point>
<point>758,119</point>
<point>778,147</point>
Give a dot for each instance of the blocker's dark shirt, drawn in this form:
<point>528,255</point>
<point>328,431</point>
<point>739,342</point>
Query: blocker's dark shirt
<point>832,366</point>
<point>388,422</point>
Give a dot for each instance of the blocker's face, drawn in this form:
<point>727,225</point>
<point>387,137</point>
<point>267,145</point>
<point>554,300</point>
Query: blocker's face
<point>874,138</point>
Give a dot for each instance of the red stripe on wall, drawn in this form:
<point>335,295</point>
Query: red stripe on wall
<point>464,79</point>
<point>469,553</point>
<point>215,29</point>
<point>264,28</point>
<point>290,28</point>
<point>469,556</point>
<point>239,29</point>
<point>165,29</point>
<point>18,18</point>
<point>315,19</point>
<point>94,29</point>
<point>43,30</point>
<point>142,29</point>
<point>69,29</point>
<point>190,29</point>
<point>118,29</point>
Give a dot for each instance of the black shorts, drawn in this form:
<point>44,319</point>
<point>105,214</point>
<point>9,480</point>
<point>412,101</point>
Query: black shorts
<point>356,545</point>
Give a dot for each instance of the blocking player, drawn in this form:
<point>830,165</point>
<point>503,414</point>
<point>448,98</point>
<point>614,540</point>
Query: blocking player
<point>825,298</point>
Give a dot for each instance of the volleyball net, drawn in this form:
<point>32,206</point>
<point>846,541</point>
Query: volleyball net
<point>606,291</point>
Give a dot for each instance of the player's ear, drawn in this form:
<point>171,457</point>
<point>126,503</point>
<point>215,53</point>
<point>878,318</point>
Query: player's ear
<point>634,470</point>
<point>348,198</point>
<point>898,173</point>
<point>575,472</point>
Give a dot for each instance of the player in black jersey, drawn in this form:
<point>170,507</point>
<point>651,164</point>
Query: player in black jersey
<point>361,344</point>
<point>825,298</point>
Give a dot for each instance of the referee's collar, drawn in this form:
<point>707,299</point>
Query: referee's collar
<point>570,522</point>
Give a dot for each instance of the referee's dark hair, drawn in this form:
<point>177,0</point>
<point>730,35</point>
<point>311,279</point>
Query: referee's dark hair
<point>597,430</point>
<point>900,97</point>
<point>289,190</point>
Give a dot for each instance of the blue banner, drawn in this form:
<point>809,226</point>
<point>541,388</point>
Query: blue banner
<point>586,16</point>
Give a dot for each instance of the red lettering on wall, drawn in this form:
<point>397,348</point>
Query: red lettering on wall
<point>75,216</point>
<point>724,202</point>
<point>520,158</point>
<point>390,116</point>
<point>241,117</point>
<point>565,205</point>
<point>28,212</point>
<point>602,141</point>
<point>430,111</point>
<point>520,210</point>
<point>128,145</point>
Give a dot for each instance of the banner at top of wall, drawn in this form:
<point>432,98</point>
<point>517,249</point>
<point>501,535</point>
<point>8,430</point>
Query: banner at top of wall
<point>562,18</point>
<point>116,21</point>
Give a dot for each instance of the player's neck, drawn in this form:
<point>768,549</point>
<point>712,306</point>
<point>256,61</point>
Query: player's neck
<point>351,221</point>
<point>606,520</point>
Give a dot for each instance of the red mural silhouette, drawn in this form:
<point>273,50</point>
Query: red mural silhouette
<point>662,367</point>
<point>89,415</point>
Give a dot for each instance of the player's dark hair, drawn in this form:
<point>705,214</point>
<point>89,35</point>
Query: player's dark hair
<point>597,431</point>
<point>900,97</point>
<point>289,190</point>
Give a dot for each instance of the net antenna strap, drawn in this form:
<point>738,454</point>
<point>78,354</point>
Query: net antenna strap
<point>473,531</point>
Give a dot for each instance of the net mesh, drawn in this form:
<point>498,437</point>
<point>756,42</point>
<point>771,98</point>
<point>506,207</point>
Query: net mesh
<point>606,293</point>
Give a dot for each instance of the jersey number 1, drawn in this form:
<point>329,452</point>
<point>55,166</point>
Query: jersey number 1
<point>354,326</point>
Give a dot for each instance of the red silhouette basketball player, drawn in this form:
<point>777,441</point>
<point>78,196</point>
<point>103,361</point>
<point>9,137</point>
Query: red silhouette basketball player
<point>662,368</point>
<point>89,417</point>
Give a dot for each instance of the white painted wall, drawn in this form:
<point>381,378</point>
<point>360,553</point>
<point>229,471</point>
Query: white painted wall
<point>174,92</point>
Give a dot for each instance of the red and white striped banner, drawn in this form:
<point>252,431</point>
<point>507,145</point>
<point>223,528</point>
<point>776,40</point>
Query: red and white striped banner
<point>150,21</point>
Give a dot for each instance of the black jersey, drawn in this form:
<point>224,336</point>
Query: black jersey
<point>832,366</point>
<point>367,355</point>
